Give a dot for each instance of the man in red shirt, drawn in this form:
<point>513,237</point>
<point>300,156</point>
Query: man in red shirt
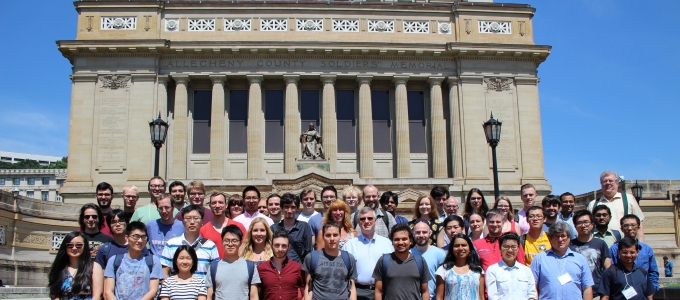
<point>280,277</point>
<point>488,248</point>
<point>213,229</point>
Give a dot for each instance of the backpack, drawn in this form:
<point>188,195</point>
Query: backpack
<point>386,265</point>
<point>385,219</point>
<point>625,203</point>
<point>249,264</point>
<point>617,234</point>
<point>118,260</point>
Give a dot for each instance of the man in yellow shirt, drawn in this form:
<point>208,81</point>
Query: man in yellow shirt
<point>536,240</point>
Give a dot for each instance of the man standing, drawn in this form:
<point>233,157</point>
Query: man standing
<point>440,194</point>
<point>130,197</point>
<point>328,195</point>
<point>603,215</point>
<point>367,248</point>
<point>619,204</point>
<point>274,207</point>
<point>213,229</point>
<point>645,258</point>
<point>161,230</point>
<point>567,211</point>
<point>487,247</point>
<point>178,192</point>
<point>434,256</point>
<point>528,195</point>
<point>384,220</point>
<point>149,212</point>
<point>536,240</point>
<point>281,277</point>
<point>400,275</point>
<point>91,221</point>
<point>667,266</point>
<point>297,232</point>
<point>594,250</point>
<point>561,273</point>
<point>104,197</point>
<point>251,197</point>
<point>451,206</point>
<point>232,278</point>
<point>196,191</point>
<point>262,207</point>
<point>626,280</point>
<point>552,207</point>
<point>389,202</point>
<point>509,279</point>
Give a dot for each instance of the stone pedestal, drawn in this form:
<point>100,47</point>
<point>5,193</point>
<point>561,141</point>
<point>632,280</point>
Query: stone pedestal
<point>322,164</point>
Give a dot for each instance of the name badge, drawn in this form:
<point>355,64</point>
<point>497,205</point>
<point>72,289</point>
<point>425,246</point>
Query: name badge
<point>629,292</point>
<point>564,279</point>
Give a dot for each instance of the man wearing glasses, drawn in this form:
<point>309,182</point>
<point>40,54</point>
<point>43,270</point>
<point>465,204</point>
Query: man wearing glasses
<point>371,199</point>
<point>196,191</point>
<point>149,212</point>
<point>206,251</point>
<point>165,228</point>
<point>251,197</point>
<point>619,204</point>
<point>509,279</point>
<point>594,250</point>
<point>536,240</point>
<point>130,197</point>
<point>645,259</point>
<point>104,195</point>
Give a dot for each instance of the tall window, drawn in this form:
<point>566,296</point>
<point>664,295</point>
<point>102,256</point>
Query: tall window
<point>238,121</point>
<point>2,181</point>
<point>202,105</point>
<point>31,181</point>
<point>344,107</point>
<point>416,121</point>
<point>46,181</point>
<point>45,196</point>
<point>16,181</point>
<point>309,109</point>
<point>382,135</point>
<point>273,121</point>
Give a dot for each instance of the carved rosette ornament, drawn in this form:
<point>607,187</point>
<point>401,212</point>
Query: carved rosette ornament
<point>114,82</point>
<point>498,84</point>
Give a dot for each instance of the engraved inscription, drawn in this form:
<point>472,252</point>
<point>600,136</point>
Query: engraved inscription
<point>307,64</point>
<point>113,119</point>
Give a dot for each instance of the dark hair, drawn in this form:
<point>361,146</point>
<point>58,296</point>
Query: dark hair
<point>385,198</point>
<point>272,195</point>
<point>100,216</point>
<point>508,236</point>
<point>329,224</point>
<point>233,229</point>
<point>536,207</point>
<point>233,200</point>
<point>567,194</point>
<point>148,185</point>
<point>665,257</point>
<point>581,213</point>
<point>439,191</point>
<point>329,188</point>
<point>602,207</point>
<point>551,199</point>
<point>468,206</point>
<point>82,282</point>
<point>455,218</point>
<point>135,225</point>
<point>403,227</point>
<point>249,189</point>
<point>472,261</point>
<point>629,242</point>
<point>192,253</point>
<point>289,198</point>
<point>104,186</point>
<point>122,216</point>
<point>280,234</point>
<point>193,207</point>
<point>630,216</point>
<point>176,183</point>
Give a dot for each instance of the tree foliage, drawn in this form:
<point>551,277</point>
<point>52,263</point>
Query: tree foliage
<point>34,164</point>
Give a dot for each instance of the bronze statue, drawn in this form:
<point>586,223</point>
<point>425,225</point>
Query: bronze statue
<point>311,143</point>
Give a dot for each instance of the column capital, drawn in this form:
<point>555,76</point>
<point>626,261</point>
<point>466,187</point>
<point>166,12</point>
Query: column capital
<point>181,78</point>
<point>435,80</point>
<point>400,79</point>
<point>291,78</point>
<point>255,78</point>
<point>452,80</point>
<point>328,78</point>
<point>364,79</point>
<point>163,79</point>
<point>84,77</point>
<point>218,78</point>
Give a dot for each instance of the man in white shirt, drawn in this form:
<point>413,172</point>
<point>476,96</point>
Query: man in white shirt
<point>509,279</point>
<point>251,197</point>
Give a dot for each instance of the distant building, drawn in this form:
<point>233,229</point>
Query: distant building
<point>15,157</point>
<point>40,184</point>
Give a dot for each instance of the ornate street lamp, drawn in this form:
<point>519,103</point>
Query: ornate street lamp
<point>492,130</point>
<point>637,191</point>
<point>159,130</point>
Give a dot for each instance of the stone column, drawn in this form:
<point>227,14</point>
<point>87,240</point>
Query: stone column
<point>438,128</point>
<point>291,124</point>
<point>83,89</point>
<point>329,121</point>
<point>403,143</point>
<point>255,128</point>
<point>162,106</point>
<point>181,131</point>
<point>218,135</point>
<point>365,127</point>
<point>456,138</point>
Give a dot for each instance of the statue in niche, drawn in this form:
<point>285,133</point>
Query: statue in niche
<point>311,143</point>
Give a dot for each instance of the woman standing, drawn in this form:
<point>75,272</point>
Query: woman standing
<point>338,212</point>
<point>352,197</point>
<point>452,225</point>
<point>235,206</point>
<point>257,244</point>
<point>476,231</point>
<point>475,202</point>
<point>71,274</point>
<point>460,276</point>
<point>184,284</point>
<point>509,225</point>
<point>425,211</point>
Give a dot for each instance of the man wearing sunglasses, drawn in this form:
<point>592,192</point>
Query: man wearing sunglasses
<point>91,221</point>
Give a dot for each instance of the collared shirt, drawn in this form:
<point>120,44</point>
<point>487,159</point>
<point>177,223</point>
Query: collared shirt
<point>615,204</point>
<point>572,230</point>
<point>613,284</point>
<point>510,283</point>
<point>401,219</point>
<point>535,246</point>
<point>282,285</point>
<point>380,228</point>
<point>645,260</point>
<point>547,267</point>
<point>442,217</point>
<point>568,219</point>
<point>367,252</point>
<point>608,236</point>
<point>300,237</point>
<point>245,218</point>
<point>206,253</point>
<point>490,252</point>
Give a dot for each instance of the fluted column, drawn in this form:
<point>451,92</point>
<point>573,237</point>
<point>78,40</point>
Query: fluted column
<point>291,123</point>
<point>255,128</point>
<point>162,106</point>
<point>329,121</point>
<point>217,128</point>
<point>180,136</point>
<point>456,138</point>
<point>365,128</point>
<point>403,143</point>
<point>438,129</point>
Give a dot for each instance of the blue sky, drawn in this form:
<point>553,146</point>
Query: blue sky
<point>610,90</point>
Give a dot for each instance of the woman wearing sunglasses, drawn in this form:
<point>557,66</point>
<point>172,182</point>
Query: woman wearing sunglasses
<point>71,274</point>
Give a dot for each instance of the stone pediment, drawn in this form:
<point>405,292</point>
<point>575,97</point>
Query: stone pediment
<point>409,195</point>
<point>312,180</point>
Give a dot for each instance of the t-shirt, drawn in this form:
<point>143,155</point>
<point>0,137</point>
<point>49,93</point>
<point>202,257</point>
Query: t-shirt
<point>183,290</point>
<point>160,233</point>
<point>314,221</point>
<point>402,280</point>
<point>115,249</point>
<point>330,280</point>
<point>209,232</point>
<point>232,280</point>
<point>668,268</point>
<point>596,252</point>
<point>207,216</point>
<point>97,239</point>
<point>434,257</point>
<point>535,246</point>
<point>147,213</point>
<point>133,276</point>
<point>459,286</point>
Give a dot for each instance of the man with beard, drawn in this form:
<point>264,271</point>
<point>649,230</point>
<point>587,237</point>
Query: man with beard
<point>567,211</point>
<point>552,206</point>
<point>104,195</point>
<point>384,220</point>
<point>213,229</point>
<point>281,278</point>
<point>434,256</point>
<point>196,191</point>
<point>594,250</point>
<point>487,247</point>
<point>618,203</point>
<point>298,233</point>
<point>161,230</point>
<point>178,193</point>
<point>91,221</point>
<point>130,197</point>
<point>331,272</point>
<point>528,195</point>
<point>274,207</point>
<point>149,212</point>
<point>603,215</point>
<point>645,256</point>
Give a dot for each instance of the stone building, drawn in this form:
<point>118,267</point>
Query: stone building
<point>397,90</point>
<point>42,184</point>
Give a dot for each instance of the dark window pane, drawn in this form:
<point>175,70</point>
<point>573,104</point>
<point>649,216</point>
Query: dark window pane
<point>380,104</point>
<point>273,127</point>
<point>344,107</point>
<point>382,135</point>
<point>416,117</point>
<point>238,114</point>
<point>201,114</point>
<point>238,105</point>
<point>273,109</point>
<point>309,109</point>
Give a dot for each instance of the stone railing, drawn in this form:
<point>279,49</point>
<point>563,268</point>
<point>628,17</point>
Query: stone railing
<point>39,209</point>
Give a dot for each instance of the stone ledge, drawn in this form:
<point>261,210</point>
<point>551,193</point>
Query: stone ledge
<point>24,292</point>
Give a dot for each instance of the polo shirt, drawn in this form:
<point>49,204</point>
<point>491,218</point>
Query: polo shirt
<point>547,267</point>
<point>612,285</point>
<point>645,260</point>
<point>206,253</point>
<point>506,282</point>
<point>207,215</point>
<point>245,218</point>
<point>367,252</point>
<point>608,236</point>
<point>615,204</point>
<point>160,233</point>
<point>490,252</point>
<point>532,246</point>
<point>284,285</point>
<point>209,232</point>
<point>300,238</point>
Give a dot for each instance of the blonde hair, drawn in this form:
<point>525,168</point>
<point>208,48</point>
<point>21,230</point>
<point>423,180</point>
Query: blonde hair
<point>132,188</point>
<point>195,185</point>
<point>433,211</point>
<point>511,211</point>
<point>248,244</point>
<point>352,190</point>
<point>335,205</point>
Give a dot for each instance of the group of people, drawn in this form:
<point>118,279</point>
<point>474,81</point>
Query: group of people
<point>280,247</point>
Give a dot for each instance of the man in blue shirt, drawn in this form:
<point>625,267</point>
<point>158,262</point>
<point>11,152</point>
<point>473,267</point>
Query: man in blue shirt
<point>559,272</point>
<point>434,256</point>
<point>367,249</point>
<point>645,259</point>
<point>299,233</point>
<point>162,230</point>
<point>668,267</point>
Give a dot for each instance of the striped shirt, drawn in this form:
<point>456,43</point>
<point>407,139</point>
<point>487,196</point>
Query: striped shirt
<point>206,253</point>
<point>183,290</point>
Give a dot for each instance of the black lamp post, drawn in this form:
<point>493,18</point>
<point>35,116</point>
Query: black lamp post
<point>637,191</point>
<point>159,130</point>
<point>492,130</point>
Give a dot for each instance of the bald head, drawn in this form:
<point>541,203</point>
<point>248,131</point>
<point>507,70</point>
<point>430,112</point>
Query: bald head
<point>451,206</point>
<point>370,195</point>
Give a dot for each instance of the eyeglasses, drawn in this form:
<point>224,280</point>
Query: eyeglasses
<point>77,245</point>
<point>129,196</point>
<point>157,186</point>
<point>236,204</point>
<point>136,237</point>
<point>114,223</point>
<point>608,181</point>
<point>93,217</point>
<point>451,206</point>
<point>231,242</point>
<point>586,223</point>
<point>366,218</point>
<point>535,217</point>
<point>626,226</point>
<point>513,248</point>
<point>560,237</point>
<point>188,219</point>
<point>164,208</point>
<point>329,197</point>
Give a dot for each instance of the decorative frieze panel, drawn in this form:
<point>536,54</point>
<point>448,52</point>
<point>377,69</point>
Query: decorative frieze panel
<point>444,28</point>
<point>495,27</point>
<point>310,25</point>
<point>237,24</point>
<point>416,26</point>
<point>171,25</point>
<point>346,25</point>
<point>57,239</point>
<point>273,24</point>
<point>119,23</point>
<point>3,233</point>
<point>201,24</point>
<point>381,26</point>
<point>114,82</point>
<point>498,84</point>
